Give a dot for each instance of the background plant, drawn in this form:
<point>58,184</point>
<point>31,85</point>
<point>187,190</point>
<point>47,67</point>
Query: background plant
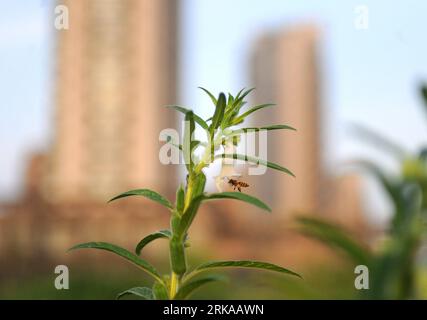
<point>393,266</point>
<point>220,131</point>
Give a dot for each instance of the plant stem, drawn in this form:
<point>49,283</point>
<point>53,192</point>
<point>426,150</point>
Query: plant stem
<point>174,285</point>
<point>176,244</point>
<point>189,192</point>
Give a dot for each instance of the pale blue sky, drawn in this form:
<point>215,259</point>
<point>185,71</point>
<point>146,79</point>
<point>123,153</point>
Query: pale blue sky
<point>368,76</point>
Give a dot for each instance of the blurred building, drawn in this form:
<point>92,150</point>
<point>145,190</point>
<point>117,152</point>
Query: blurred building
<point>285,71</point>
<point>116,70</point>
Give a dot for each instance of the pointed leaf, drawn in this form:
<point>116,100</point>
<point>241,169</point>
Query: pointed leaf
<point>197,119</point>
<point>151,237</point>
<point>189,116</point>
<point>142,292</point>
<point>219,112</point>
<point>195,144</point>
<point>230,100</point>
<point>150,194</point>
<point>268,128</point>
<point>242,117</point>
<point>190,213</point>
<point>237,196</point>
<point>234,109</point>
<point>239,99</point>
<point>189,287</point>
<point>255,161</point>
<point>144,265</point>
<point>210,95</point>
<point>187,147</point>
<point>239,93</point>
<point>241,264</point>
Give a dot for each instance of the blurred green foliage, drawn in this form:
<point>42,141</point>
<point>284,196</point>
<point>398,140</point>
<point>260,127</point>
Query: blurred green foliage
<point>393,265</point>
<point>321,282</point>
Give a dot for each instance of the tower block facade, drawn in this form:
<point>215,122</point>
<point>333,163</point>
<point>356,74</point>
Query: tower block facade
<point>116,70</point>
<point>284,71</point>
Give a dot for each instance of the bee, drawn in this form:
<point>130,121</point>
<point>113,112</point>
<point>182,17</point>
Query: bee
<point>237,184</point>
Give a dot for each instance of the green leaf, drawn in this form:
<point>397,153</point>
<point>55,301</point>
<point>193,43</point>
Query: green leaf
<point>146,240</point>
<point>210,95</point>
<point>390,186</point>
<point>422,155</point>
<point>239,93</point>
<point>150,194</point>
<point>241,264</point>
<point>142,292</point>
<point>219,113</point>
<point>237,196</point>
<point>423,91</point>
<point>195,144</point>
<point>187,288</point>
<point>144,265</point>
<point>189,116</point>
<point>334,236</point>
<point>255,161</point>
<point>188,145</point>
<point>234,109</point>
<point>242,117</point>
<point>239,99</point>
<point>379,141</point>
<point>268,128</point>
<point>395,189</point>
<point>230,100</point>
<point>197,119</point>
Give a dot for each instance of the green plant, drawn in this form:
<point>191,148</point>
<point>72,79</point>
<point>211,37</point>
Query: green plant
<point>393,265</point>
<point>181,282</point>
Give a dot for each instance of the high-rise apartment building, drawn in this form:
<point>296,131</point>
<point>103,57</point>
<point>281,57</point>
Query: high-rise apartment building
<point>284,71</point>
<point>116,70</point>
